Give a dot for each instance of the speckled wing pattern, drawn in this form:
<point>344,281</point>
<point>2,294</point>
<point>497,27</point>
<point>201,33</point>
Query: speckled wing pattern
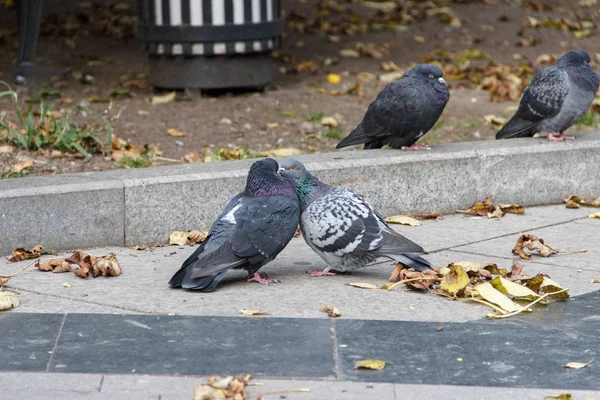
<point>545,96</point>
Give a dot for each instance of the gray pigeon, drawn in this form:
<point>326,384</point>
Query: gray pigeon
<point>343,229</point>
<point>403,111</point>
<point>252,230</point>
<point>556,98</point>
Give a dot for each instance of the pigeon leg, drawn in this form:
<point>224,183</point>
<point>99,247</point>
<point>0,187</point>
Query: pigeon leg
<point>414,147</point>
<point>326,272</point>
<point>262,278</point>
<point>560,137</point>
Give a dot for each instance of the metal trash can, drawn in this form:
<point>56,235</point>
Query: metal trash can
<point>210,44</point>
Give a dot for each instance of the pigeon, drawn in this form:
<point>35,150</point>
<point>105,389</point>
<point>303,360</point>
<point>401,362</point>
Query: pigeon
<point>556,98</point>
<point>403,111</point>
<point>343,228</point>
<point>252,230</point>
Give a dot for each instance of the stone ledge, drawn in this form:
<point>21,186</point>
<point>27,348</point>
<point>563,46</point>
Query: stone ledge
<point>128,207</point>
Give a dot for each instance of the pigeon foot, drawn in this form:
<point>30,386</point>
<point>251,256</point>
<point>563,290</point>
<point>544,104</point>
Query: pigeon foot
<point>414,148</point>
<point>262,278</point>
<point>559,138</point>
<point>326,272</point>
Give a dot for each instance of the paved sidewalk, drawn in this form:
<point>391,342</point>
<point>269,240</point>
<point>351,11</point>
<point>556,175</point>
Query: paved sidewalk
<point>133,337</point>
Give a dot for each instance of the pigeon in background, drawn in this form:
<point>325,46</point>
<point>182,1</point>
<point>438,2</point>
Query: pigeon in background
<point>343,229</point>
<point>556,98</point>
<point>252,230</point>
<point>403,111</point>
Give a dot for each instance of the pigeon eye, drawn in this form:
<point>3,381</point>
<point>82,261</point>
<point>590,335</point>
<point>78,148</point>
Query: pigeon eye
<point>293,168</point>
<point>430,75</point>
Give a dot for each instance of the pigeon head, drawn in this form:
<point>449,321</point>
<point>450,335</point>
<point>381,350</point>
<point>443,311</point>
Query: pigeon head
<point>428,72</point>
<point>264,180</point>
<point>308,187</point>
<point>574,58</point>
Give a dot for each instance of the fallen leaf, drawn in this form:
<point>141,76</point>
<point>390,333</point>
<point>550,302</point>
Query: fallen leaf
<point>496,214</point>
<point>282,152</point>
<point>6,149</point>
<point>594,280</point>
<point>455,281</point>
<point>580,201</point>
<point>166,98</point>
<point>334,78</point>
<point>143,113</point>
<point>8,300</point>
<point>574,365</point>
<point>22,254</point>
<point>66,284</point>
<point>329,121</point>
<point>349,53</point>
<point>480,208</point>
<point>595,215</point>
<point>83,260</point>
<point>253,312</point>
<point>532,242</point>
<point>511,208</point>
<point>391,76</point>
<point>230,387</point>
<point>403,220</point>
<point>377,365</point>
<point>487,292</point>
<point>550,286</point>
<point>175,133</point>
<point>562,396</point>
<point>435,215</point>
<point>494,120</point>
<point>54,265</point>
<point>511,288</point>
<point>363,285</point>
<point>182,238</point>
<point>22,166</point>
<point>440,328</point>
<point>331,311</point>
<point>478,269</point>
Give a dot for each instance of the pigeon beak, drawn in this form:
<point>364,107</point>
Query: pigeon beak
<point>280,170</point>
<point>442,80</point>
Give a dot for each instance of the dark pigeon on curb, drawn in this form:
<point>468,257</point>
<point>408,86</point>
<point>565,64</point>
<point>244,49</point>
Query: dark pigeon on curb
<point>343,229</point>
<point>556,98</point>
<point>403,111</point>
<point>252,230</point>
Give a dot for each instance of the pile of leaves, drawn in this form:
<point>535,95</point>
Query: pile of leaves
<point>491,210</point>
<point>497,288</point>
<point>233,388</point>
<point>473,68</point>
<point>575,201</point>
<point>583,26</point>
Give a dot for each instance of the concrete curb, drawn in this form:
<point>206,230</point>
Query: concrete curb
<point>129,207</point>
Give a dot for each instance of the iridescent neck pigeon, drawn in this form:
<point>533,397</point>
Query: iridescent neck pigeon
<point>556,98</point>
<point>343,228</point>
<point>252,230</point>
<point>403,111</point>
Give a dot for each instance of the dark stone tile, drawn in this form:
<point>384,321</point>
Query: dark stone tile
<point>144,344</point>
<point>27,340</point>
<point>512,352</point>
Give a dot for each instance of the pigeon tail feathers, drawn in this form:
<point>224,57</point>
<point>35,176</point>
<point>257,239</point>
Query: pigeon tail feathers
<point>355,138</point>
<point>413,261</point>
<point>517,127</point>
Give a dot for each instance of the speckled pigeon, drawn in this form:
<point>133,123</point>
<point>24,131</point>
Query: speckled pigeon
<point>556,98</point>
<point>252,230</point>
<point>343,229</point>
<point>403,111</point>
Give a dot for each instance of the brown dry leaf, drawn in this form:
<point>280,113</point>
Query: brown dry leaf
<point>494,120</point>
<point>515,272</point>
<point>595,215</point>
<point>584,202</point>
<point>182,238</point>
<point>54,265</point>
<point>230,387</point>
<point>403,220</point>
<point>480,208</point>
<point>22,166</point>
<point>83,260</point>
<point>512,208</point>
<point>594,281</point>
<point>107,265</point>
<point>376,365</point>
<point>482,270</point>
<point>363,285</point>
<point>166,98</point>
<point>578,365</point>
<point>22,254</point>
<point>435,215</point>
<point>331,311</point>
<point>572,204</point>
<point>254,313</point>
<point>175,133</point>
<point>6,149</point>
<point>496,214</point>
<point>562,396</point>
<point>455,281</point>
<point>532,242</point>
<point>8,300</point>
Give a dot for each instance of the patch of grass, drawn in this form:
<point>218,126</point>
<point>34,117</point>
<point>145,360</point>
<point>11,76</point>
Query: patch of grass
<point>8,174</point>
<point>590,118</point>
<point>39,127</point>
<point>334,134</point>
<point>288,113</point>
<point>135,162</point>
<point>315,116</point>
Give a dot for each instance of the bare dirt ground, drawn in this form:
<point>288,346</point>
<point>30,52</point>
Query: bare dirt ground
<point>321,38</point>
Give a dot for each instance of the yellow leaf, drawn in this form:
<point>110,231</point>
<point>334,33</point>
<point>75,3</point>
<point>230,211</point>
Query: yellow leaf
<point>403,220</point>
<point>562,396</point>
<point>487,292</point>
<point>282,152</point>
<point>550,286</point>
<point>331,311</point>
<point>181,238</point>
<point>514,289</point>
<point>476,267</point>
<point>334,78</point>
<point>363,285</point>
<point>594,280</point>
<point>143,112</point>
<point>455,281</point>
<point>511,208</point>
<point>494,120</point>
<point>595,215</point>
<point>166,98</point>
<point>349,53</point>
<point>8,300</point>
<point>22,166</point>
<point>329,121</point>
<point>377,365</point>
<point>175,133</point>
<point>66,284</point>
<point>391,76</point>
<point>578,365</point>
<point>253,312</point>
<point>419,39</point>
